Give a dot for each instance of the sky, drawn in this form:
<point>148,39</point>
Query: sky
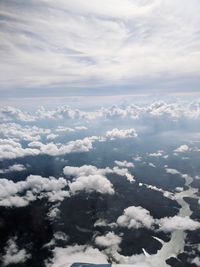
<point>99,47</point>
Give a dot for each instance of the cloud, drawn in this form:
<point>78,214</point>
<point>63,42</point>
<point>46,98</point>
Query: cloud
<point>79,145</point>
<point>13,114</point>
<point>156,154</point>
<point>14,201</point>
<point>170,224</point>
<point>81,128</point>
<point>29,189</point>
<point>86,170</point>
<point>172,171</point>
<point>164,192</point>
<point>22,132</point>
<point>14,168</point>
<point>152,165</point>
<point>54,213</point>
<point>83,170</point>
<point>51,136</point>
<point>62,129</point>
<point>69,43</point>
<point>89,178</point>
<point>91,183</point>
<point>13,255</point>
<point>76,253</point>
<point>135,217</point>
<point>124,164</point>
<point>182,149</point>
<point>110,240</point>
<point>124,133</point>
<point>10,149</point>
<point>157,110</point>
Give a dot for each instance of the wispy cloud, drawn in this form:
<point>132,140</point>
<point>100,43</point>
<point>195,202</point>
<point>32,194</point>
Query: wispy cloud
<point>98,43</point>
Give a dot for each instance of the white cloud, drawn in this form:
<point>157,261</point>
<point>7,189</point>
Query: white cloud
<point>156,154</point>
<point>53,213</point>
<point>135,217</point>
<point>11,114</point>
<point>21,132</point>
<point>14,201</point>
<point>81,128</point>
<point>61,129</point>
<point>83,170</point>
<point>196,261</point>
<point>77,253</point>
<point>13,255</point>
<point>33,185</point>
<point>108,42</point>
<point>157,110</point>
<point>124,164</point>
<point>60,236</point>
<point>14,168</point>
<point>172,171</point>
<point>91,183</point>
<point>80,145</point>
<point>110,240</point>
<point>152,165</point>
<point>153,187</point>
<point>91,170</point>
<point>123,133</point>
<point>10,149</point>
<point>130,177</point>
<point>51,136</point>
<point>182,149</point>
<point>170,224</point>
<point>90,178</point>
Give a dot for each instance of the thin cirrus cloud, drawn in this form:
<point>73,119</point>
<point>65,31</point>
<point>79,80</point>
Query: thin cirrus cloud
<point>98,43</point>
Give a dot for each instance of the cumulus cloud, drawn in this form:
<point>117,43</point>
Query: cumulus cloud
<point>14,168</point>
<point>124,164</point>
<point>159,153</point>
<point>77,253</point>
<point>9,149</point>
<point>90,178</point>
<point>15,201</point>
<point>91,170</point>
<point>91,183</point>
<point>157,110</point>
<point>13,255</point>
<point>33,185</point>
<point>123,133</point>
<point>20,132</point>
<point>110,240</point>
<point>51,136</point>
<point>53,213</point>
<point>182,149</point>
<point>170,224</point>
<point>13,114</point>
<point>80,145</point>
<point>135,217</point>
<point>83,170</point>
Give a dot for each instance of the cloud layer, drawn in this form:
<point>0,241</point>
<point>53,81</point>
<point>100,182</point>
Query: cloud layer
<point>74,43</point>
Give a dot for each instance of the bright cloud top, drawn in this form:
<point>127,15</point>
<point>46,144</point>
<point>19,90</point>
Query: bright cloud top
<point>89,178</point>
<point>135,217</point>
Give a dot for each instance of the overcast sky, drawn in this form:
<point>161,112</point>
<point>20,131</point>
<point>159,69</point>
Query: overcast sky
<point>67,47</point>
